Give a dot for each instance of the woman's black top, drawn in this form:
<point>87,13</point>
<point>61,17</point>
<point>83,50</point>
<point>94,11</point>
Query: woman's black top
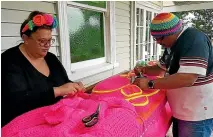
<point>23,87</point>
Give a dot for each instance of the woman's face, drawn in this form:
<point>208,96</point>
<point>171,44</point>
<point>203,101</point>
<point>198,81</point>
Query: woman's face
<point>40,41</point>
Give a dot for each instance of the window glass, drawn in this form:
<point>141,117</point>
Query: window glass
<point>101,4</point>
<point>86,33</point>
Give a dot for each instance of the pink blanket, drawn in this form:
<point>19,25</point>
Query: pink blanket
<point>125,111</point>
<point>117,118</point>
<point>150,105</point>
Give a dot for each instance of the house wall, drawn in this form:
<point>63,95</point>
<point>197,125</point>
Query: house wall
<point>15,12</point>
<point>156,5</point>
<point>122,25</point>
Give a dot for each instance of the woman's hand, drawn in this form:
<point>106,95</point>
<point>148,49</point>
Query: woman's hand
<point>69,88</point>
<point>81,86</point>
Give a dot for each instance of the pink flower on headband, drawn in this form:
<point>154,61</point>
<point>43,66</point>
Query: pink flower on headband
<point>49,19</point>
<point>39,20</point>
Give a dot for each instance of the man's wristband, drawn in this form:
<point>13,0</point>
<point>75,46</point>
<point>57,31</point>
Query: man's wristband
<point>151,84</point>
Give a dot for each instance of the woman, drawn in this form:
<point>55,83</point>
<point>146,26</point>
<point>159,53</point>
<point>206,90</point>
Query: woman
<point>32,77</point>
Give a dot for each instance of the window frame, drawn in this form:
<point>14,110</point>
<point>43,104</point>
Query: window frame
<point>77,71</point>
<point>141,49</point>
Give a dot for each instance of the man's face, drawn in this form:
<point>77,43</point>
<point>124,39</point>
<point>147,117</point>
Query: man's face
<point>165,41</point>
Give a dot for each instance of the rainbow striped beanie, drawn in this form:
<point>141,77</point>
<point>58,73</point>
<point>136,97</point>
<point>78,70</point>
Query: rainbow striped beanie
<point>165,24</point>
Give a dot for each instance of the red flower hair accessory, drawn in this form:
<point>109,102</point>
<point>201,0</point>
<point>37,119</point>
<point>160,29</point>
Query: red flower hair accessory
<point>40,20</point>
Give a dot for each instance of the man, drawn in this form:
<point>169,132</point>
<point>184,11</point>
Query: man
<point>188,66</point>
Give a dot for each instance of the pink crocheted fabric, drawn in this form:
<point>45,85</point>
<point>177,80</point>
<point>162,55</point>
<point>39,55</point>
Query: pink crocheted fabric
<point>149,104</point>
<point>125,111</point>
<point>117,117</point>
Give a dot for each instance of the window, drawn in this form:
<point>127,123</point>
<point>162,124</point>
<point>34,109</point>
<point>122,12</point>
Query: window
<point>148,41</point>
<point>139,33</point>
<point>155,48</point>
<point>101,4</point>
<point>86,36</point>
<point>146,47</point>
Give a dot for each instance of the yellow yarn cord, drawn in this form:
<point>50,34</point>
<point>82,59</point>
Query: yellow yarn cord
<point>108,91</point>
<point>139,104</point>
<point>130,96</point>
<point>127,75</point>
<point>142,95</point>
<point>151,94</point>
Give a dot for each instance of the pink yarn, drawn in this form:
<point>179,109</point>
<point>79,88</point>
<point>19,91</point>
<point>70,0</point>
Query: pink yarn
<point>64,119</point>
<point>49,19</point>
<point>117,116</point>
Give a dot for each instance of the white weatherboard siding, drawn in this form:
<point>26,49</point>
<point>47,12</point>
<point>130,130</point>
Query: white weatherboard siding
<point>13,13</point>
<point>96,78</point>
<point>154,5</point>
<point>122,25</point>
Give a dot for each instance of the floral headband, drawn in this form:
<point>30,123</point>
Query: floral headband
<point>40,20</point>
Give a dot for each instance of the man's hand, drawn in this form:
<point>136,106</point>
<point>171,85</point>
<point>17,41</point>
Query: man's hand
<point>149,70</point>
<point>142,83</point>
<point>139,69</point>
<point>178,80</point>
